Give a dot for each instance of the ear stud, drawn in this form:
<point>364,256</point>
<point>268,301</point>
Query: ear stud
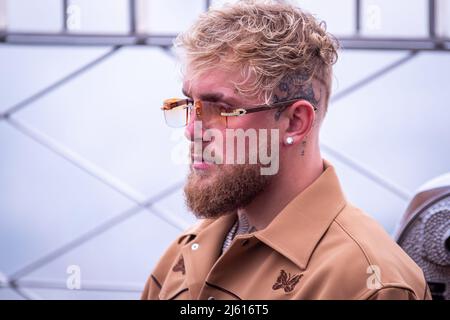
<point>289,140</point>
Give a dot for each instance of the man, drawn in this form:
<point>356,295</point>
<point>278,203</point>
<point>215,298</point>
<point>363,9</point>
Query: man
<point>286,234</point>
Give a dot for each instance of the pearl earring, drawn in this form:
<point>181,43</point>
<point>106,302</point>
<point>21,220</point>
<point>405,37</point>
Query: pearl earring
<point>289,140</point>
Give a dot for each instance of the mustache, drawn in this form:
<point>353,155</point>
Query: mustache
<point>205,154</point>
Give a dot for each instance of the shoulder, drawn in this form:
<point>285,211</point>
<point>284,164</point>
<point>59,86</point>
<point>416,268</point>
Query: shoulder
<point>174,249</point>
<point>362,261</point>
<point>168,259</point>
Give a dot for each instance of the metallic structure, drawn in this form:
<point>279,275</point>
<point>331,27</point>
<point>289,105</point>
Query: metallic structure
<point>424,234</point>
<point>137,33</point>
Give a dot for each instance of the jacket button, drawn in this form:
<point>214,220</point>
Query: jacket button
<point>195,246</point>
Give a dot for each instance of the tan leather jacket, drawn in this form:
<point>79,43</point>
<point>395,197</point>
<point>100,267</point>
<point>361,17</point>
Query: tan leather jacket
<point>318,247</point>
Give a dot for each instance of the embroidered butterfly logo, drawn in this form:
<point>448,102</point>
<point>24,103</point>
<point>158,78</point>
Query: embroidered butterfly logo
<point>179,267</point>
<point>286,282</point>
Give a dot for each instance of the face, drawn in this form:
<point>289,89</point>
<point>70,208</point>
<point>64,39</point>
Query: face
<point>214,188</point>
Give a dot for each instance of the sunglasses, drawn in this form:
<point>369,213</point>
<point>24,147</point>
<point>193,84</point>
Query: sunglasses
<point>178,112</point>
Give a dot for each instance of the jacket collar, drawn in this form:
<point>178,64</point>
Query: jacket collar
<point>298,228</point>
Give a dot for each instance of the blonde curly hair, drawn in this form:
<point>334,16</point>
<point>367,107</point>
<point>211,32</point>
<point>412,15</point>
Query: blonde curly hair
<point>266,40</point>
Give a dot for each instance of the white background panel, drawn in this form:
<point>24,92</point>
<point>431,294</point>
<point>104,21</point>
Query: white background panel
<point>45,200</point>
<point>35,16</point>
<point>355,65</point>
<point>99,16</point>
<point>443,18</point>
<point>398,124</point>
<point>400,18</point>
<point>171,16</point>
<point>175,204</point>
<point>28,69</point>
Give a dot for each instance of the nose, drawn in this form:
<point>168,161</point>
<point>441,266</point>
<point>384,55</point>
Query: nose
<point>189,130</point>
<point>193,128</point>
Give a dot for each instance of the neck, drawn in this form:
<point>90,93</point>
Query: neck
<point>284,187</point>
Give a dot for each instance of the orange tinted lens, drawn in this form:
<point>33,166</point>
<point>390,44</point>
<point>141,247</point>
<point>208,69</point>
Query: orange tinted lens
<point>210,113</point>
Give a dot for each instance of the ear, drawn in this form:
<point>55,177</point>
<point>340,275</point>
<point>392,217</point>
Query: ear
<point>300,118</point>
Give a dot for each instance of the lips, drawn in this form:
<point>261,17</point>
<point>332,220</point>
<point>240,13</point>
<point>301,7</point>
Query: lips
<point>201,166</point>
<point>198,163</point>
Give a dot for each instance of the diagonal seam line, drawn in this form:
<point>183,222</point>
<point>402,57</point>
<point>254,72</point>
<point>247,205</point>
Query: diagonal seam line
<point>57,83</point>
<point>77,160</point>
<point>25,293</point>
<point>168,51</point>
<point>162,212</point>
<point>94,232</point>
<point>373,77</point>
<point>400,192</point>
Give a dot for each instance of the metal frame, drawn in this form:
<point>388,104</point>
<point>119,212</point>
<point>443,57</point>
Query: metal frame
<point>138,37</point>
<point>137,33</point>
<point>166,41</point>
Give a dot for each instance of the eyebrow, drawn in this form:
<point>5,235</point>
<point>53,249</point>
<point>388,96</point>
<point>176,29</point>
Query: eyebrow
<point>211,96</point>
